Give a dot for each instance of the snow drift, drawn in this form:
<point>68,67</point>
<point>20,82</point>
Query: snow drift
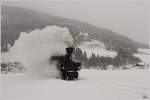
<point>35,48</point>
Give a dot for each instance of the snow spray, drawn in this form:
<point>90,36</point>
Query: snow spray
<point>35,48</point>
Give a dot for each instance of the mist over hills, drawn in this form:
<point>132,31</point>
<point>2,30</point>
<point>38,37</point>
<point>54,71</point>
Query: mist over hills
<point>15,20</point>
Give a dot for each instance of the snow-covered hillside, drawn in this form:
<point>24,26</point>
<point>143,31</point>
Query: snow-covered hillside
<point>90,46</point>
<point>144,55</point>
<point>92,85</point>
<point>144,51</point>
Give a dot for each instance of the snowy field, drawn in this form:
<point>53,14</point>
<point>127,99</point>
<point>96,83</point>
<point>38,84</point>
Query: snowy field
<point>92,85</point>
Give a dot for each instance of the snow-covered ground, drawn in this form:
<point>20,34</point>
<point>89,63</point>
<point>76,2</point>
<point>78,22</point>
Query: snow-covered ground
<point>92,85</point>
<point>144,55</point>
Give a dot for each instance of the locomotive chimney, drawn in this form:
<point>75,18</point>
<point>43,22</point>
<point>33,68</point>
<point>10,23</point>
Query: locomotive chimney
<point>69,50</point>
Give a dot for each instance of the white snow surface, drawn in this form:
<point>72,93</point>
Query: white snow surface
<point>144,55</point>
<point>145,51</point>
<point>98,51</point>
<point>92,85</point>
<point>97,48</point>
<point>144,58</point>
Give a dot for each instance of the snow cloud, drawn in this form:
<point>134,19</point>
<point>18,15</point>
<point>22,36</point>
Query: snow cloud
<point>35,48</point>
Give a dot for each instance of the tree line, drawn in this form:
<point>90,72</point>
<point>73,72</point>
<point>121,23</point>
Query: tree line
<point>123,57</point>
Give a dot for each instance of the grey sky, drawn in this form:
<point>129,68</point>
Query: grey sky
<point>127,17</point>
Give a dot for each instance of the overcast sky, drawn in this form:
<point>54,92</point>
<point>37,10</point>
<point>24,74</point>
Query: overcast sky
<point>127,17</point>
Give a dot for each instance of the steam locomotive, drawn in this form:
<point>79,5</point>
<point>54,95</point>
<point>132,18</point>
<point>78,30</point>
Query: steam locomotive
<point>67,67</point>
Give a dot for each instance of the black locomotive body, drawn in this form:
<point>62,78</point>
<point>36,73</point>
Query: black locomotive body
<point>67,67</point>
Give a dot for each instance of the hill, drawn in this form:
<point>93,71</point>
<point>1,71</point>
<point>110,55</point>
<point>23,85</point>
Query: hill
<point>15,20</point>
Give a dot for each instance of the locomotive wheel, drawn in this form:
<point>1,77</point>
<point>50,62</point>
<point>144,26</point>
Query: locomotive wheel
<point>76,75</point>
<point>64,75</point>
<point>72,76</point>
